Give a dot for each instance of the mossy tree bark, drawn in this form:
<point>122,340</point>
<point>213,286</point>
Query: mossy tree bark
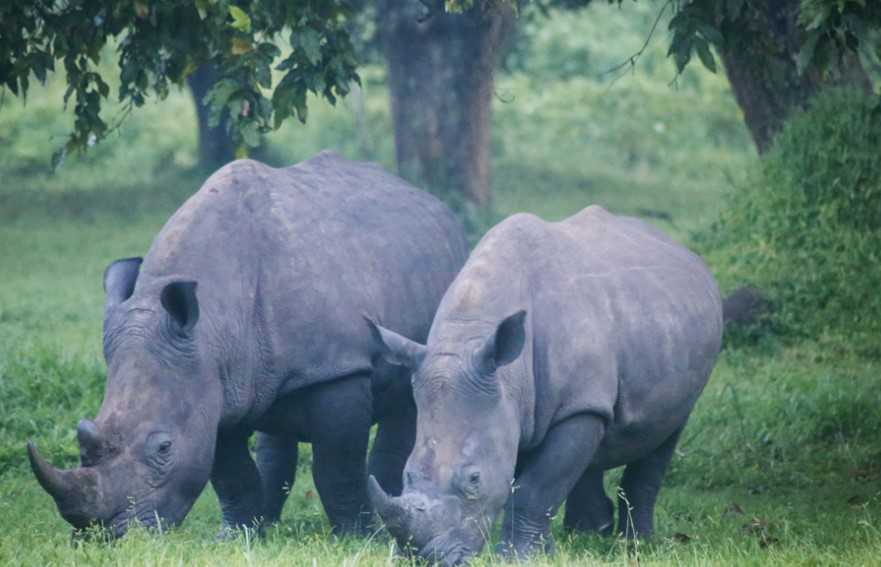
<point>440,73</point>
<point>760,53</point>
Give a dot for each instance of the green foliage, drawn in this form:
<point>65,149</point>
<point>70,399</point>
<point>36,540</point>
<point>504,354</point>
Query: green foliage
<point>807,226</point>
<point>160,43</point>
<point>835,27</point>
<point>827,30</point>
<point>696,27</point>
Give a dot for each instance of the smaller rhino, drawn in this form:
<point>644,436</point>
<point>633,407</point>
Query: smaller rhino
<point>561,350</point>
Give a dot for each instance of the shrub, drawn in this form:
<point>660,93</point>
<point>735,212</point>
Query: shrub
<point>807,226</point>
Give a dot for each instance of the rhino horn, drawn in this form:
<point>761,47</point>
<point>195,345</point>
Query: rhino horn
<point>87,435</point>
<point>395,512</point>
<point>72,490</point>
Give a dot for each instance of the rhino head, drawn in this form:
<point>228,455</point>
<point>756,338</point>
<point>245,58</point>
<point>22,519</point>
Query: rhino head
<point>460,473</point>
<point>148,454</point>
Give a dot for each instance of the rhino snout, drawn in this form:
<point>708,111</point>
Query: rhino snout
<point>432,528</point>
<point>445,550</point>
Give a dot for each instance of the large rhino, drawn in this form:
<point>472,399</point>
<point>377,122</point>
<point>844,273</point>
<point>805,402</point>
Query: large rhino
<point>561,350</point>
<point>248,314</point>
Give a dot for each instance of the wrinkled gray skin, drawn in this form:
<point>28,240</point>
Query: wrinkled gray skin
<point>560,351</point>
<point>248,313</point>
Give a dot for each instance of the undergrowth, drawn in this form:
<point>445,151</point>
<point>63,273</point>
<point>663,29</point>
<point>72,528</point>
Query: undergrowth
<point>806,226</point>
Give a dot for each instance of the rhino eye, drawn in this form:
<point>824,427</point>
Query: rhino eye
<point>159,448</point>
<point>469,484</point>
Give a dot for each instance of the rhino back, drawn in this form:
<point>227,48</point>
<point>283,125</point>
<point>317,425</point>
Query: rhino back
<point>622,322</point>
<point>289,260</point>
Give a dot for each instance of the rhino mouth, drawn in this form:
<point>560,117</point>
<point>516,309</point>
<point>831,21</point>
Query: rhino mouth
<point>442,550</point>
<point>101,532</point>
<point>144,517</point>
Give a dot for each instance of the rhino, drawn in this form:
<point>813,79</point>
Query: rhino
<point>561,350</point>
<point>246,315</point>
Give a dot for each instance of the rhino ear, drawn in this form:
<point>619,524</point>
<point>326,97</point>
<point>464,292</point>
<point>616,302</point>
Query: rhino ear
<point>119,281</point>
<point>179,300</point>
<point>504,345</point>
<point>396,348</point>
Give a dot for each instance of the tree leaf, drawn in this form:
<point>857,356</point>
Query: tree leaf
<point>820,14</point>
<point>202,8</point>
<point>103,87</point>
<point>251,133</point>
<point>705,55</point>
<point>680,49</point>
<point>264,76</point>
<point>711,34</point>
<point>268,50</point>
<point>217,99</point>
<point>309,41</point>
<point>241,21</point>
<point>142,11</point>
<point>241,45</point>
<point>806,53</point>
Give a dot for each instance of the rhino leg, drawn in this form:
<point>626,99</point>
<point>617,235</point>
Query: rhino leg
<point>548,476</point>
<point>395,436</point>
<point>588,509</point>
<point>237,483</point>
<point>340,420</point>
<point>639,489</point>
<point>277,462</point>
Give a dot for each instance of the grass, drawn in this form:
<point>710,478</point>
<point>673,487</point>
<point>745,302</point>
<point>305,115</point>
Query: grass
<point>780,463</point>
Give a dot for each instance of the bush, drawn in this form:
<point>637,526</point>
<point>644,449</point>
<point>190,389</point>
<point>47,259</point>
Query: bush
<point>805,228</point>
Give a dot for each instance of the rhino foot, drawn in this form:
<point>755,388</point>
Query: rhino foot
<point>250,530</point>
<point>525,549</point>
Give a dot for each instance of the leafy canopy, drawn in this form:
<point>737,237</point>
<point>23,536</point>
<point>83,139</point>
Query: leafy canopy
<point>160,42</point>
<point>828,29</point>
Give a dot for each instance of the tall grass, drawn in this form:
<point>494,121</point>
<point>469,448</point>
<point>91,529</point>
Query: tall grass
<point>780,464</point>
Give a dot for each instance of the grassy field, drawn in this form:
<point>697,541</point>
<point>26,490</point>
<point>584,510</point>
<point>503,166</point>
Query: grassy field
<point>780,464</point>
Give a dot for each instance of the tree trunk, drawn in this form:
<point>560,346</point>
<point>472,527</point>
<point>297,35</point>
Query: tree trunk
<point>440,74</point>
<point>759,55</point>
<point>216,148</point>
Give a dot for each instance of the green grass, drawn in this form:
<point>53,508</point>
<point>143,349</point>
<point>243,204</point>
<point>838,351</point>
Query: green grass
<point>780,463</point>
